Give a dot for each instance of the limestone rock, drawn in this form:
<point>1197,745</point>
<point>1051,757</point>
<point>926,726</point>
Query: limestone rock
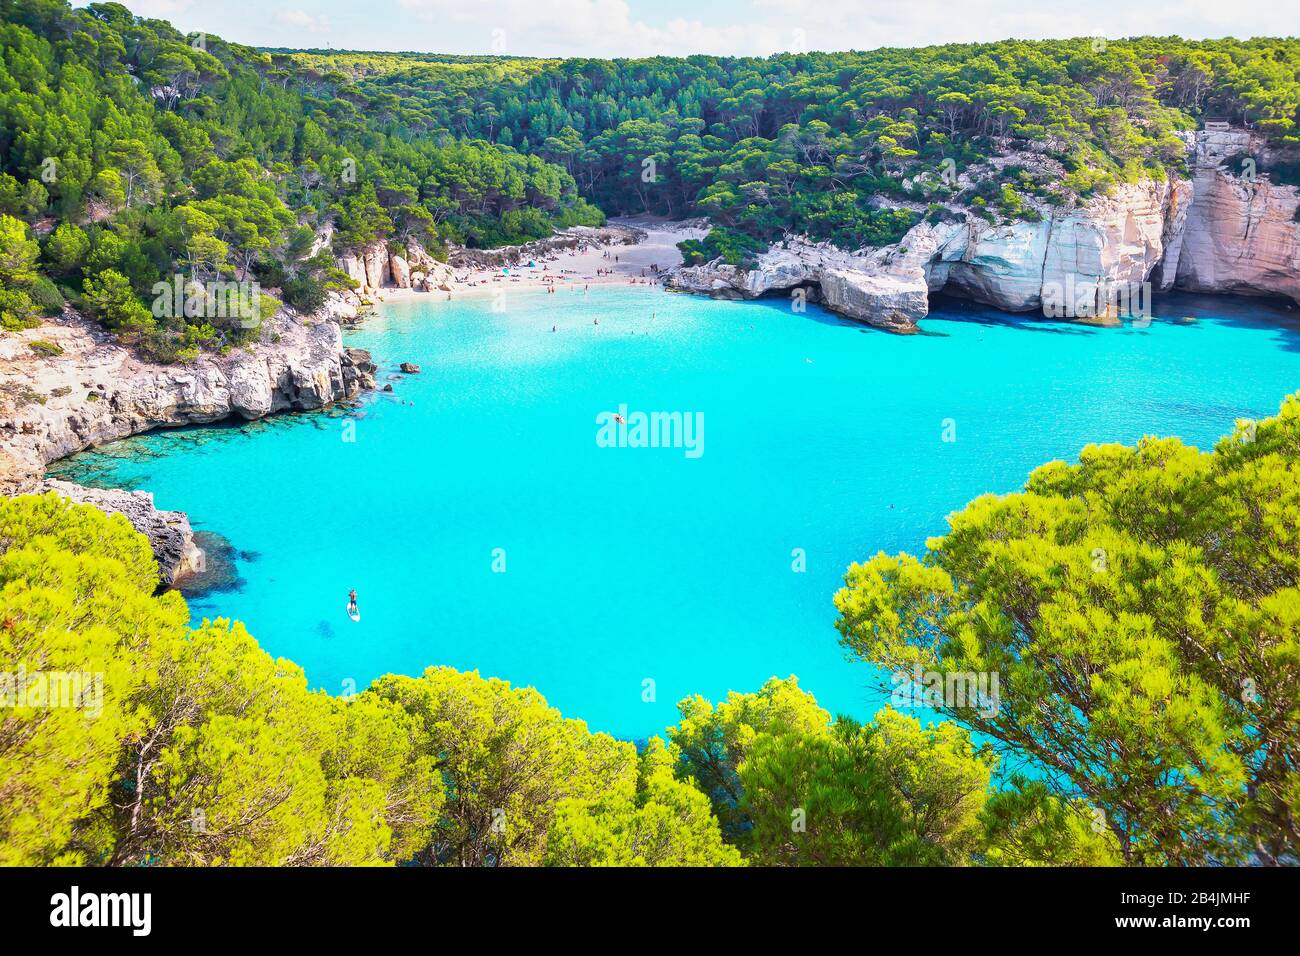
<point>375,259</point>
<point>97,391</point>
<point>169,532</point>
<point>355,268</point>
<point>1215,232</point>
<point>400,271</point>
<point>888,301</point>
<point>359,371</point>
<point>250,390</point>
<point>1241,233</point>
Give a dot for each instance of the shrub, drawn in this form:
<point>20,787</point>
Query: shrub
<point>45,347</point>
<point>46,296</point>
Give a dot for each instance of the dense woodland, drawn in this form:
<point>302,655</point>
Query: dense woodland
<point>833,144</point>
<point>1142,608</point>
<point>131,153</point>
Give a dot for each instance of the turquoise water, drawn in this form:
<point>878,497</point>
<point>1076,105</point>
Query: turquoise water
<point>623,565</point>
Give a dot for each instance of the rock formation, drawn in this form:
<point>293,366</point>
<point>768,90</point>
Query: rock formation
<point>169,532</point>
<point>1214,232</point>
<point>1241,233</point>
<point>375,268</point>
<point>95,390</point>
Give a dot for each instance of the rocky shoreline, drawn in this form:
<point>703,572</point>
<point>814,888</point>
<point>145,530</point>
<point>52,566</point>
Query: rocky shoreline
<point>67,386</point>
<point>377,269</point>
<point>1212,231</point>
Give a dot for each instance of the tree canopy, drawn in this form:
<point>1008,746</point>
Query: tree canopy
<point>1142,608</point>
<point>131,153</point>
<point>131,148</point>
<point>192,746</point>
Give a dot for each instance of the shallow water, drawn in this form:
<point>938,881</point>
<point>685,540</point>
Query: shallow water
<point>627,565</point>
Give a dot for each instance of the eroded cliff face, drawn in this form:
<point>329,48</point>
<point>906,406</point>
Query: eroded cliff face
<point>95,391</point>
<point>1212,232</point>
<point>1117,238</point>
<point>169,532</point>
<point>1241,234</point>
<point>375,268</point>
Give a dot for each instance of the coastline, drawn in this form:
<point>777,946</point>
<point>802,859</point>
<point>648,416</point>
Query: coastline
<point>67,385</point>
<point>649,253</point>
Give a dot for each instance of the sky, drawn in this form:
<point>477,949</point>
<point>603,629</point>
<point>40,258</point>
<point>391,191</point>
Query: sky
<point>609,28</point>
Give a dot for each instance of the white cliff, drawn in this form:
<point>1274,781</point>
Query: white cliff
<point>169,532</point>
<point>375,268</point>
<point>67,385</point>
<point>1213,232</point>
<point>1241,234</point>
<point>95,391</point>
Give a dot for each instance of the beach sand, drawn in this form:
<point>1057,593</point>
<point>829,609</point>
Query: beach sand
<point>566,270</point>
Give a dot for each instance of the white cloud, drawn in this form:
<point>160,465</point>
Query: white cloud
<point>611,28</point>
<point>302,20</point>
<point>842,24</point>
<point>590,28</point>
<point>759,27</point>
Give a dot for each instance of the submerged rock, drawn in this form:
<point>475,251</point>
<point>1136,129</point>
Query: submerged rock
<point>410,368</point>
<point>220,571</point>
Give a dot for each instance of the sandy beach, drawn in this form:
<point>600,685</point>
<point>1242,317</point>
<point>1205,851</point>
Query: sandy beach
<point>593,263</point>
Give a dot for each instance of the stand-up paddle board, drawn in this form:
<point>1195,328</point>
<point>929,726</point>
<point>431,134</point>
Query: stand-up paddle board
<point>356,616</point>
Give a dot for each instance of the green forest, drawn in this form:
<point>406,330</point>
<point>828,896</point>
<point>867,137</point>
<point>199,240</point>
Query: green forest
<point>1143,607</point>
<point>130,152</point>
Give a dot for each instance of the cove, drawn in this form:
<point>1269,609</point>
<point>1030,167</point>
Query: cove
<point>484,526</point>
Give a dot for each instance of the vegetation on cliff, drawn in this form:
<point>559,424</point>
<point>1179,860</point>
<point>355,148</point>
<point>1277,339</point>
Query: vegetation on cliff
<point>131,153</point>
<point>1141,609</point>
<point>813,141</point>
